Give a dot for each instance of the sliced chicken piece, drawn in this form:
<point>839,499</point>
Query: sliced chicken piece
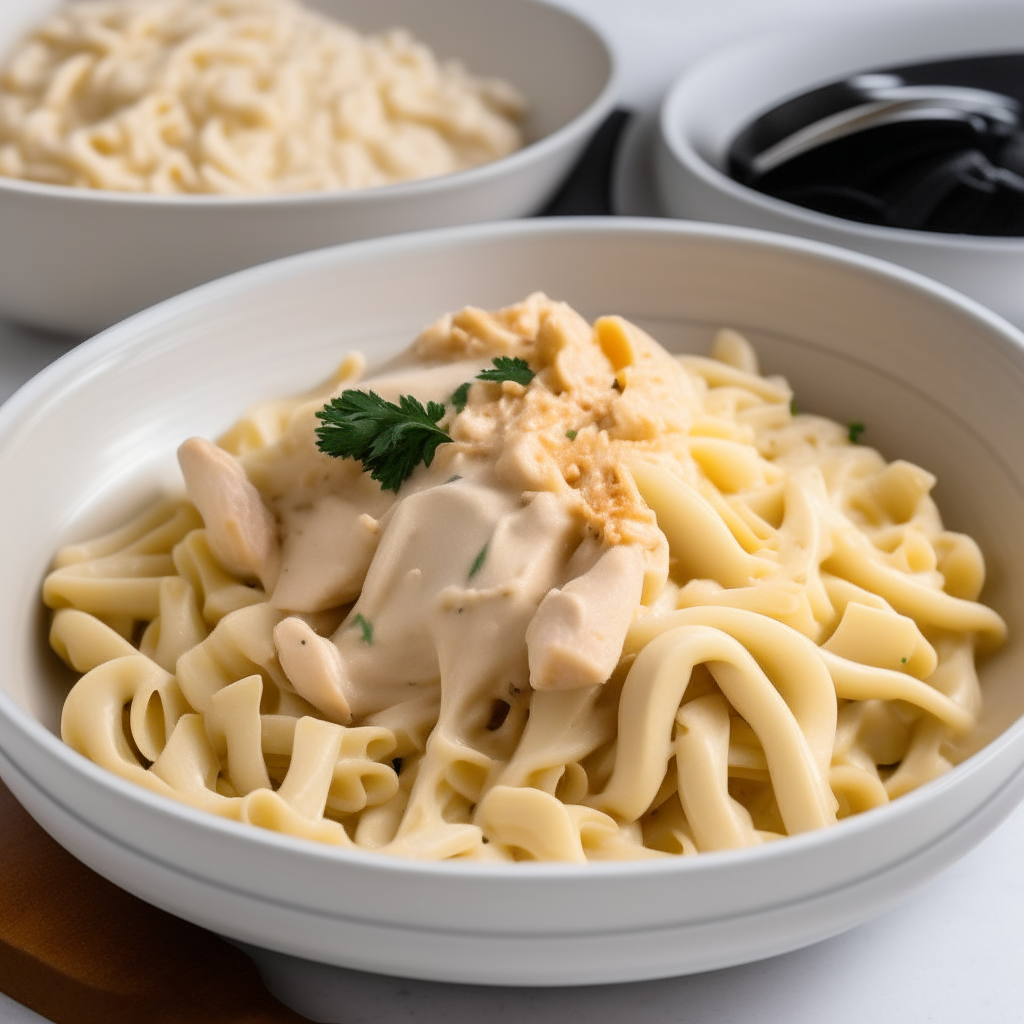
<point>313,666</point>
<point>452,555</point>
<point>575,638</point>
<point>241,530</point>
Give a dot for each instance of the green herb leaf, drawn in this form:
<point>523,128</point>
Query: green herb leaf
<point>478,562</point>
<point>367,627</point>
<point>571,434</point>
<point>792,407</point>
<point>904,660</point>
<point>508,368</point>
<point>853,431</point>
<point>460,396</point>
<point>390,440</point>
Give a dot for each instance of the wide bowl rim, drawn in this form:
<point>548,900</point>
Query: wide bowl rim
<point>533,152</point>
<point>674,136</point>
<point>96,354</point>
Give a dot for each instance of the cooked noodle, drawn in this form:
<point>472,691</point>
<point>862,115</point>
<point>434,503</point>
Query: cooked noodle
<point>239,97</point>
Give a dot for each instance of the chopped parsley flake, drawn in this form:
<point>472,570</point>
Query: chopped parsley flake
<point>478,562</point>
<point>571,434</point>
<point>853,432</point>
<point>367,627</point>
<point>460,396</point>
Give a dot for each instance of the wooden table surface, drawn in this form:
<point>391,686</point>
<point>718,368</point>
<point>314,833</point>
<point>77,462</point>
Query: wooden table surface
<point>79,950</point>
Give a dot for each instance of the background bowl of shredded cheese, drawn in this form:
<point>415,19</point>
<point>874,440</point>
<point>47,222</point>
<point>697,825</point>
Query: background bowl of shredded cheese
<point>147,146</point>
<point>913,369</point>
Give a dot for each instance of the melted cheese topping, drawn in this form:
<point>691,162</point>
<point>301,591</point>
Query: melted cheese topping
<point>602,396</point>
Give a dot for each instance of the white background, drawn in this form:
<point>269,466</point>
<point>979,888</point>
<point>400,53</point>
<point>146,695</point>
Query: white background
<point>952,952</point>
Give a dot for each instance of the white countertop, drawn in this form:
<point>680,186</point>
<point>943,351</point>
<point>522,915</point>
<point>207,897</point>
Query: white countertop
<point>951,952</point>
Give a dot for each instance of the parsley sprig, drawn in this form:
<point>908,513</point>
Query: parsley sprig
<point>502,368</point>
<point>390,440</point>
<point>508,368</point>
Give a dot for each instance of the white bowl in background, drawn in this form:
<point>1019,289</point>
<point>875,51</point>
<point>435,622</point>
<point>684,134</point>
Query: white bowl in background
<point>78,260</point>
<point>935,377</point>
<point>718,97</point>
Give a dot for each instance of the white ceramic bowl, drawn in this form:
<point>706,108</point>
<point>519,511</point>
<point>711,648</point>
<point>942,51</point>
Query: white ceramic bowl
<point>78,260</point>
<point>936,378</point>
<point>714,100</point>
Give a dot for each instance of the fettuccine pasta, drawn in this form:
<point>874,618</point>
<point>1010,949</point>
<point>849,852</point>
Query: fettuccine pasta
<point>633,606</point>
<point>239,97</point>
